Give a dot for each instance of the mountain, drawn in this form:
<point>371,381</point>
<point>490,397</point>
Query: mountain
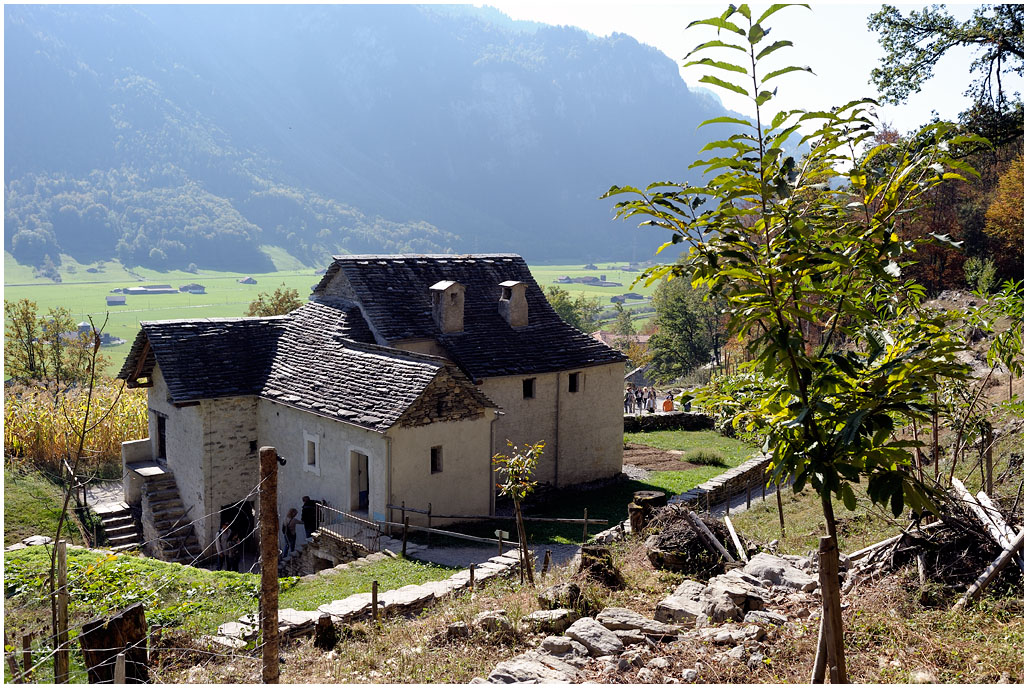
<point>176,134</point>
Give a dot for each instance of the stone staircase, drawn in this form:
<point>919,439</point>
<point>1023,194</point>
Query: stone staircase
<point>121,526</point>
<point>173,538</point>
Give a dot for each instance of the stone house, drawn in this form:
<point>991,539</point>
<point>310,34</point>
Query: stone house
<point>396,382</point>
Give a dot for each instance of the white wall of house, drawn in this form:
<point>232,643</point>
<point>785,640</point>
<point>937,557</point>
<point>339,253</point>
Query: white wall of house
<point>338,444</point>
<point>464,483</point>
<point>582,430</point>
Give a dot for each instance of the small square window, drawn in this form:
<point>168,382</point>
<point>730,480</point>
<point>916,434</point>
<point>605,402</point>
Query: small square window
<point>573,382</point>
<point>253,446</point>
<point>529,388</point>
<point>311,459</point>
<point>436,459</point>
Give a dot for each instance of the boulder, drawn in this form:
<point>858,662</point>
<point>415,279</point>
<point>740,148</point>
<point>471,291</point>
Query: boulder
<point>458,630</point>
<point>532,668</point>
<point>764,617</point>
<point>629,637</point>
<point>779,572</point>
<point>597,638</point>
<point>493,622</point>
<point>565,595</point>
<point>690,675</point>
<point>623,618</point>
<point>678,609</point>
<point>37,540</point>
<point>350,608</point>
<point>550,621</point>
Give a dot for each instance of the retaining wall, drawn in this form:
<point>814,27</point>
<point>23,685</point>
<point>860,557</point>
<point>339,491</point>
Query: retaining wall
<point>668,421</point>
<point>731,483</point>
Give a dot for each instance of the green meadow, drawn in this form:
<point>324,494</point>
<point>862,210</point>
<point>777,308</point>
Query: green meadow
<point>84,287</point>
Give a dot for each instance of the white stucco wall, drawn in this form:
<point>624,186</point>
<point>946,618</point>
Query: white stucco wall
<point>231,468</point>
<point>284,429</point>
<point>582,430</point>
<point>464,486</point>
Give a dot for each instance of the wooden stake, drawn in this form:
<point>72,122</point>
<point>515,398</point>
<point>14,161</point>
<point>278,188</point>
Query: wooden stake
<point>269,490</point>
<point>471,577</point>
<point>403,543</point>
<point>375,601</point>
<point>748,495</point>
<point>778,502</point>
<point>546,563</point>
<point>119,669</point>
<point>990,574</point>
<point>61,655</point>
<point>736,540</point>
<point>26,656</point>
<point>829,576</point>
<point>710,537</point>
<point>818,671</point>
<point>585,521</point>
<point>12,664</point>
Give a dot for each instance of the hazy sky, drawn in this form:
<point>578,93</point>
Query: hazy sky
<point>831,38</point>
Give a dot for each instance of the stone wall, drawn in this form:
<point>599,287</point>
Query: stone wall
<point>668,421</point>
<point>442,400</point>
<point>730,484</point>
<point>231,463</point>
<point>322,552</point>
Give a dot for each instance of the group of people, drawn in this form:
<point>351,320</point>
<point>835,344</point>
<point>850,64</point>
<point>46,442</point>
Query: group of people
<point>229,543</point>
<point>640,399</point>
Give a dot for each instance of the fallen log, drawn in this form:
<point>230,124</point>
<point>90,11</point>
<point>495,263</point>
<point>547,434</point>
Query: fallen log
<point>980,584</point>
<point>863,552</point>
<point>992,528</point>
<point>736,540</point>
<point>711,539</point>
<point>996,517</point>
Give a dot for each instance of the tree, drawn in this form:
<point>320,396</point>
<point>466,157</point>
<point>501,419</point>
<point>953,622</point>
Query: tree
<point>279,303</point>
<point>21,339</point>
<point>516,470</point>
<point>49,349</point>
<point>623,321</point>
<point>687,325</point>
<point>812,273</point>
<point>581,312</point>
<point>915,43</point>
<point>1005,218</point>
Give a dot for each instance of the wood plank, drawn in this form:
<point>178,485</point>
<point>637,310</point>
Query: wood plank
<point>992,528</point>
<point>736,540</point>
<point>710,537</point>
<point>997,517</point>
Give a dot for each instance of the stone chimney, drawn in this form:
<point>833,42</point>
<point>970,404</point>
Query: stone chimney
<point>448,305</point>
<point>513,306</point>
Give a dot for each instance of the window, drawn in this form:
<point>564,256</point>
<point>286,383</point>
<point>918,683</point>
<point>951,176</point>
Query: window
<point>253,446</point>
<point>506,294</point>
<point>574,380</point>
<point>162,436</point>
<point>529,388</point>
<point>311,459</point>
<point>436,459</point>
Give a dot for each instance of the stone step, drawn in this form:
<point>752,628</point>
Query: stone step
<point>126,546</point>
<point>127,540</point>
<point>158,495</point>
<point>119,523</point>
<point>166,501</point>
<point>121,531</point>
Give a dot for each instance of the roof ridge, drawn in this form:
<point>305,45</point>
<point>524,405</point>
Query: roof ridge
<point>400,257</point>
<point>217,319</point>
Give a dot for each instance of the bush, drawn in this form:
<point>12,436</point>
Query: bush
<point>705,458</point>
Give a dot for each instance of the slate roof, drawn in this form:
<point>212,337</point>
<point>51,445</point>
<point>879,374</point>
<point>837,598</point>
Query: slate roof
<point>318,369</point>
<point>206,358</point>
<point>393,291</point>
<point>311,359</point>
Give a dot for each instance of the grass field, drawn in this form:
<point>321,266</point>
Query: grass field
<point>83,292</point>
<point>32,505</point>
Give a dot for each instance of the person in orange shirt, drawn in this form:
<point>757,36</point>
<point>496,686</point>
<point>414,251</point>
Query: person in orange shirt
<point>668,405</point>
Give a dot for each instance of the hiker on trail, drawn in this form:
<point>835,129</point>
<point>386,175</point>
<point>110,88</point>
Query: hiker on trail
<point>309,516</point>
<point>639,401</point>
<point>222,545</point>
<point>668,405</point>
<point>289,529</point>
<point>628,401</point>
<point>652,400</point>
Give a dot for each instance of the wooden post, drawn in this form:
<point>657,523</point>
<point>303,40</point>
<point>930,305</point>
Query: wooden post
<point>471,577</point>
<point>829,576</point>
<point>375,601</point>
<point>736,540</point>
<point>103,638</point>
<point>728,498</point>
<point>749,485</point>
<point>818,671</point>
<point>585,517</point>
<point>403,543</point>
<point>26,656</point>
<point>762,490</point>
<point>428,536</point>
<point>12,664</point>
<point>61,655</point>
<point>707,502</point>
<point>119,669</point>
<point>706,534</point>
<point>500,545</point>
<point>778,502</point>
<point>546,563</point>
<point>269,490</point>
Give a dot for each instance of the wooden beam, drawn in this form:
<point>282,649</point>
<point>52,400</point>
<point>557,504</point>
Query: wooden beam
<point>139,364</point>
<point>994,529</point>
<point>980,584</point>
<point>736,540</point>
<point>710,537</point>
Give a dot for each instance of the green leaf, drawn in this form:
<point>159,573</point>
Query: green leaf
<point>719,23</point>
<point>785,70</point>
<point>847,494</point>
<point>715,44</point>
<point>728,66</point>
<point>768,50</point>
<point>728,120</point>
<point>775,8</point>
<point>756,34</point>
<point>724,84</point>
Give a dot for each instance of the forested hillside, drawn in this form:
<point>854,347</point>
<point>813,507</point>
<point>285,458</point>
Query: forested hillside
<point>171,135</point>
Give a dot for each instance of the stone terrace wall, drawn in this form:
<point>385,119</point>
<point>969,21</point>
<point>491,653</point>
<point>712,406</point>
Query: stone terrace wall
<point>668,421</point>
<point>732,483</point>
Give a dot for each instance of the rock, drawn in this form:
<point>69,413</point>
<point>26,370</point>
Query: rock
<point>325,635</point>
<point>779,572</point>
<point>923,677</point>
<point>493,622</point>
<point>723,636</point>
<point>595,637</point>
<point>237,630</point>
<point>350,608</point>
<point>458,630</point>
<point>624,664</point>
<point>764,617</point>
<point>556,645</point>
<point>529,668</point>
<point>565,595</point>
<point>755,661</point>
<point>678,609</point>
<point>660,663</point>
<point>37,540</point>
<point>549,621</point>
<point>690,675</point>
<point>15,546</point>
<point>690,589</point>
<point>739,653</point>
<point>753,632</point>
<point>406,599</point>
<point>634,658</point>
<point>623,618</point>
<point>648,676</point>
<point>225,641</point>
<point>629,637</point>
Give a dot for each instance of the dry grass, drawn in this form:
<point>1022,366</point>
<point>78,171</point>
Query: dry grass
<point>40,428</point>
